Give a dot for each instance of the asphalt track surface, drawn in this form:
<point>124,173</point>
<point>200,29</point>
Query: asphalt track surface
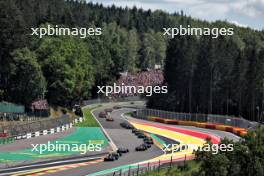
<point>122,138</point>
<point>27,143</point>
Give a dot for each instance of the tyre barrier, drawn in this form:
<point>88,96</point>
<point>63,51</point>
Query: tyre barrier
<point>172,122</point>
<point>158,119</point>
<point>220,127</point>
<point>201,125</point>
<point>234,130</point>
<point>48,131</point>
<point>210,126</point>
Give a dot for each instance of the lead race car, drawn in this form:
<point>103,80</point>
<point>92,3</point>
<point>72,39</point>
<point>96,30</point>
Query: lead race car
<point>122,150</point>
<point>110,119</point>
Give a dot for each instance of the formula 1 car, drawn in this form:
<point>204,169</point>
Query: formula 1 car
<point>110,157</point>
<point>138,133</point>
<point>148,142</point>
<point>116,154</point>
<point>126,125</point>
<point>135,130</point>
<point>147,138</point>
<point>110,119</point>
<point>102,114</point>
<point>122,150</point>
<point>142,147</point>
<point>141,135</point>
<point>147,145</point>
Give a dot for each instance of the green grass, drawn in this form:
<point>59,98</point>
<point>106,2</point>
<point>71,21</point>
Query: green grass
<point>89,120</point>
<point>191,167</point>
<point>129,113</point>
<point>82,135</point>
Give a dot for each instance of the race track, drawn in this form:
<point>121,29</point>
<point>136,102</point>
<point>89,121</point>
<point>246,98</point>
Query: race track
<point>125,138</point>
<point>122,138</point>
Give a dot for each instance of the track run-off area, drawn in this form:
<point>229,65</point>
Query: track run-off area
<point>120,137</point>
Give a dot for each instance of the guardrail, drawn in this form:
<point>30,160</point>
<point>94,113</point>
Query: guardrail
<point>208,118</point>
<point>42,126</point>
<point>136,170</point>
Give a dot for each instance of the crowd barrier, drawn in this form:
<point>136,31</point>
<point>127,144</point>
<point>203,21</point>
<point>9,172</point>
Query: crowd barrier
<point>236,130</point>
<point>6,140</point>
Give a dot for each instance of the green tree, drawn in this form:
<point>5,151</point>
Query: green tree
<point>179,70</point>
<point>67,67</point>
<point>246,158</point>
<point>27,80</point>
<point>131,53</point>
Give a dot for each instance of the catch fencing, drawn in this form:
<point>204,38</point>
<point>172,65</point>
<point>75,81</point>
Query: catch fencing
<point>104,100</point>
<point>139,169</point>
<point>209,118</point>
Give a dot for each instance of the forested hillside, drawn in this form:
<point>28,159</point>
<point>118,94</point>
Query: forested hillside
<point>67,68</point>
<point>219,76</point>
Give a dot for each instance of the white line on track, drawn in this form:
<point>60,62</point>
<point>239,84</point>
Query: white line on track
<point>114,147</point>
<point>43,164</point>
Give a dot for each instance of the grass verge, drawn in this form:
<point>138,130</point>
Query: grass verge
<point>89,120</point>
<point>129,113</point>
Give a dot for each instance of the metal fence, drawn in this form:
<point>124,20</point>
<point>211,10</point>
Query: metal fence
<point>210,118</point>
<point>18,128</point>
<point>11,108</point>
<point>23,116</point>
<point>136,170</point>
<point>104,100</point>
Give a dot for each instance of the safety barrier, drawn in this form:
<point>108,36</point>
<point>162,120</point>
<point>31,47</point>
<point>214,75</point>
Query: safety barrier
<point>235,130</point>
<point>6,140</point>
<point>49,131</point>
<point>193,117</point>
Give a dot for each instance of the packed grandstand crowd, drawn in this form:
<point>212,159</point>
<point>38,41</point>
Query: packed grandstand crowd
<point>146,78</point>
